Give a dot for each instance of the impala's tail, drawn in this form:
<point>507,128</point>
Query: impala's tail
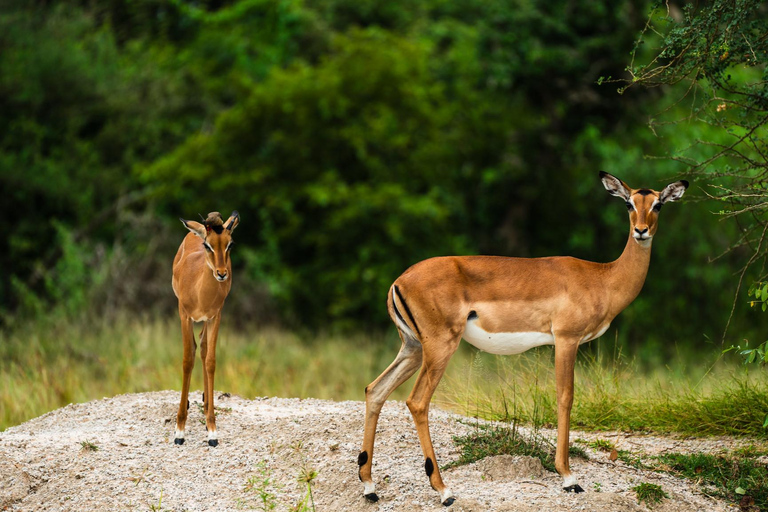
<point>401,313</point>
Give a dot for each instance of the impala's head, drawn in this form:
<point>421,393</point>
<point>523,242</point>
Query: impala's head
<point>217,240</point>
<point>643,204</point>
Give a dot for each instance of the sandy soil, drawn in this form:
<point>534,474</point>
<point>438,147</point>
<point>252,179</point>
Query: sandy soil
<point>266,443</point>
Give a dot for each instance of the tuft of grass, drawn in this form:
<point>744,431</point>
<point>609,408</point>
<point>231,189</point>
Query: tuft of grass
<point>88,446</point>
<point>650,494</point>
<point>601,445</point>
<point>732,476</point>
<point>489,440</point>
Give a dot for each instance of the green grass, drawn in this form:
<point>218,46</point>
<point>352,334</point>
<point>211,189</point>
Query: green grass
<point>51,363</point>
<point>614,394</point>
<point>48,365</point>
<point>734,476</point>
<point>650,494</point>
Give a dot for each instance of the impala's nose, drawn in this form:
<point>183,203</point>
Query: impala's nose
<point>221,275</point>
<point>642,234</point>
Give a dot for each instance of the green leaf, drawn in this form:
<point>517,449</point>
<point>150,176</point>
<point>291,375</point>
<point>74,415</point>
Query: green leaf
<point>765,423</point>
<point>740,490</point>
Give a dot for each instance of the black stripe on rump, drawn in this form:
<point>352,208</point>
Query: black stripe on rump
<point>407,310</point>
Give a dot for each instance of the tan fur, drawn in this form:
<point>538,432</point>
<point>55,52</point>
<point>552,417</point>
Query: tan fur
<point>571,299</point>
<point>201,297</point>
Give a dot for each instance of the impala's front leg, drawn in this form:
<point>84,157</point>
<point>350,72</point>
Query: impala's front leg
<point>565,359</point>
<point>211,334</point>
<point>188,363</point>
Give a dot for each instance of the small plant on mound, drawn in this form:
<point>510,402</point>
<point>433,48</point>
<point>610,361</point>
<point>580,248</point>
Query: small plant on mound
<point>88,446</point>
<point>264,486</point>
<point>650,494</point>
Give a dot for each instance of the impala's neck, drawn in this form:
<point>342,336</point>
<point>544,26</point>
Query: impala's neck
<point>627,274</point>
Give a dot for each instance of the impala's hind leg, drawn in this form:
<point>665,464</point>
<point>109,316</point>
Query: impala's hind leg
<point>437,353</point>
<point>188,363</point>
<point>402,368</point>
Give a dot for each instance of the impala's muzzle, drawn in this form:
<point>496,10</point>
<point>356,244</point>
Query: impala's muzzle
<point>641,233</point>
<point>220,275</point>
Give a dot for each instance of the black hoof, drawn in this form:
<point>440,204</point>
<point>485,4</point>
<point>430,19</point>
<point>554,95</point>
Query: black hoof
<point>178,440</point>
<point>215,442</point>
<point>371,497</point>
<point>573,488</point>
<point>449,501</point>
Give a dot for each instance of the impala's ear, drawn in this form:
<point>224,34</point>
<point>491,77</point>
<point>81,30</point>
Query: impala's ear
<point>673,191</point>
<point>232,221</point>
<point>194,227</point>
<point>615,186</point>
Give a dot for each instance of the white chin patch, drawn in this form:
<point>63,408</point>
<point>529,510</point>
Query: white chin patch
<point>369,487</point>
<point>569,481</point>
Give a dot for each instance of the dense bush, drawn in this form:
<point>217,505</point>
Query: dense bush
<point>355,138</point>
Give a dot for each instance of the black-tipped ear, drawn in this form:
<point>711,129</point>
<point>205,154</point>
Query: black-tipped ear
<point>615,186</point>
<point>194,227</point>
<point>232,221</point>
<point>673,191</point>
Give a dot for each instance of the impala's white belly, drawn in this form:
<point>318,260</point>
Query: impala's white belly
<point>505,343</point>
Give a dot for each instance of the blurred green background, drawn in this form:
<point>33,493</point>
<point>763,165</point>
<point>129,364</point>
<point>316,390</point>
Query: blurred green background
<point>355,137</point>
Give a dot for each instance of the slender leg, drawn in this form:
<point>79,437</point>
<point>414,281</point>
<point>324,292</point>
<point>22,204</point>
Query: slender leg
<point>565,359</point>
<point>402,368</point>
<point>436,357</point>
<point>188,363</point>
<point>212,333</point>
<point>203,355</point>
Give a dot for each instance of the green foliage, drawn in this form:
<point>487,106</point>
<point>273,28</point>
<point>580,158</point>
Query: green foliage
<point>355,138</point>
<point>716,56</point>
<point>650,494</point>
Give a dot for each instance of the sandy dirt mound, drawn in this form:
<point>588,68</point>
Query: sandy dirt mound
<point>266,444</point>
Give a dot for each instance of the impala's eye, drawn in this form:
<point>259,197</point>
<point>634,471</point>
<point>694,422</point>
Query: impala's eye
<point>229,245</point>
<point>207,247</point>
<point>657,207</point>
<point>629,206</point>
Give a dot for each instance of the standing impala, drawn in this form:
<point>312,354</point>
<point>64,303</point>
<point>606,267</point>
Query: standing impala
<point>202,277</point>
<point>507,306</point>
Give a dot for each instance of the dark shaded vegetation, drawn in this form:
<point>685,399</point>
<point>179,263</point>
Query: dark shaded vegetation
<point>355,138</point>
<point>487,441</point>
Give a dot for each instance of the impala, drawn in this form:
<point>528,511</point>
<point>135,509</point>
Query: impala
<point>507,306</point>
<point>202,277</point>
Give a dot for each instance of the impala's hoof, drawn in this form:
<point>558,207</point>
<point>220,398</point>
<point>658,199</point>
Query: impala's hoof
<point>215,442</point>
<point>449,501</point>
<point>371,497</point>
<point>573,488</point>
<point>178,440</point>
